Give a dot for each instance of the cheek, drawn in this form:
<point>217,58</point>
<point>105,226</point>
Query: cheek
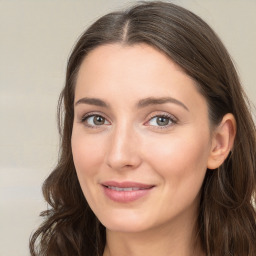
<point>180,157</point>
<point>88,157</point>
<point>87,153</point>
<point>181,163</point>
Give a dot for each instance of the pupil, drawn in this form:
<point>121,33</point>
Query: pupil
<point>162,121</point>
<point>98,120</point>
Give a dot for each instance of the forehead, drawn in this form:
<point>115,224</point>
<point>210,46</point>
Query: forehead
<point>132,72</point>
<point>123,55</point>
<point>117,60</point>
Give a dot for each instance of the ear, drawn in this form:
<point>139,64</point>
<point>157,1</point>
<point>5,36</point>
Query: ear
<point>222,141</point>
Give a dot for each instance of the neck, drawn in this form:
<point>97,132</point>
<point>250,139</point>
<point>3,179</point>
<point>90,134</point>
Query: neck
<point>177,238</point>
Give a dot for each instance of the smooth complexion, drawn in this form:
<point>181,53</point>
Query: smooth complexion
<point>141,144</point>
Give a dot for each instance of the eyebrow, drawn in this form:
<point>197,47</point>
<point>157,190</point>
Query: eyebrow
<point>156,101</point>
<point>92,101</point>
<point>141,104</point>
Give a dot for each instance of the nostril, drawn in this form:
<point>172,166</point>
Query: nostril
<point>123,163</point>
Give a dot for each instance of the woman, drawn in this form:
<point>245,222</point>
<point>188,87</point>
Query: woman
<point>158,145</point>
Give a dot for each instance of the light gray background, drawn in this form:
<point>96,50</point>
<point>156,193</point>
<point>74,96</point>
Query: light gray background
<point>36,38</point>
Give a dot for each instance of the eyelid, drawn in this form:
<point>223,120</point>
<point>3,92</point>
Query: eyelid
<point>90,114</point>
<point>171,117</point>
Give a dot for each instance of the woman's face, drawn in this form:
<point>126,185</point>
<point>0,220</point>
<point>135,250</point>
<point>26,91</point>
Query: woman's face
<point>141,138</point>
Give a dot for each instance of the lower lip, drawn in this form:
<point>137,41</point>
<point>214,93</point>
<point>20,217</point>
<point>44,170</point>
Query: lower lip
<point>125,196</point>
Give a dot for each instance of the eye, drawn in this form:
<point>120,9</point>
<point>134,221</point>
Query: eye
<point>94,120</point>
<point>161,121</point>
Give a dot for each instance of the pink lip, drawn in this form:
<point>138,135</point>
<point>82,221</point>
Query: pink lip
<point>124,192</point>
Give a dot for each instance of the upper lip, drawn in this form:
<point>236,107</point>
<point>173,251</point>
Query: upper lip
<point>126,184</point>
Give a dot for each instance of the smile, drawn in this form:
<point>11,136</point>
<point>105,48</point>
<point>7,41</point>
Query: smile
<point>124,189</point>
<point>126,192</point>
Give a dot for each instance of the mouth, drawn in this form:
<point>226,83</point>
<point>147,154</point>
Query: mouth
<point>124,189</point>
<point>125,192</point>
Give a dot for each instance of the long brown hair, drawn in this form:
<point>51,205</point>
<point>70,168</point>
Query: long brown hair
<point>227,217</point>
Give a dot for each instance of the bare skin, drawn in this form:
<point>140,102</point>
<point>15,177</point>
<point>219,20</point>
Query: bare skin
<point>155,243</point>
<point>141,124</point>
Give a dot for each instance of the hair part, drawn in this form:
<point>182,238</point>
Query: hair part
<point>226,222</point>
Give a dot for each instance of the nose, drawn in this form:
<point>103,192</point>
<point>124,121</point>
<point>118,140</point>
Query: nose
<point>123,150</point>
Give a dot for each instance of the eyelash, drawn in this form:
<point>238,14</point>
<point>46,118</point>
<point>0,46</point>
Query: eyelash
<point>87,116</point>
<point>170,117</point>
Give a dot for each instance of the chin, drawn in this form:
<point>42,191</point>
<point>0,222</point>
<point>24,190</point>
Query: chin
<point>125,227</point>
<point>124,223</point>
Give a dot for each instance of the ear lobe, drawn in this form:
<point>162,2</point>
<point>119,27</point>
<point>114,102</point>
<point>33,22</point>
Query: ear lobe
<point>222,141</point>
